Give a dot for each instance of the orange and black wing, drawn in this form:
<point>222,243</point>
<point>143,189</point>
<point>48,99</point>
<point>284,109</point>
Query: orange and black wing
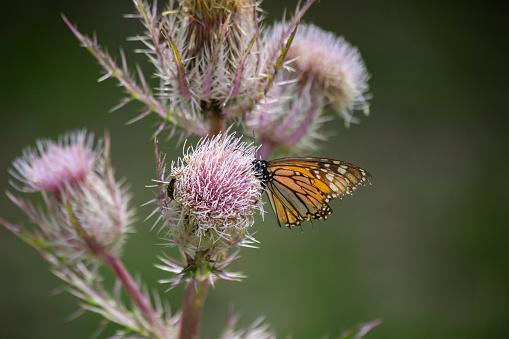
<point>300,188</point>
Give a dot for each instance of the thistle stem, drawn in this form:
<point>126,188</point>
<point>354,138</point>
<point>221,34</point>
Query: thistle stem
<point>130,286</point>
<point>194,299</point>
<point>217,120</point>
<point>137,296</point>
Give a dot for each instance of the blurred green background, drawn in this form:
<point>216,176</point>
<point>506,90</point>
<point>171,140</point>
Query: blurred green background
<point>425,248</point>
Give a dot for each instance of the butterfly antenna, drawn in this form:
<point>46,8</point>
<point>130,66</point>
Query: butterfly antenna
<point>254,142</point>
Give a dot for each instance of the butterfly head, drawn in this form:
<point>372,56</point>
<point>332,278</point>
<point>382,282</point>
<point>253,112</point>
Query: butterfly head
<point>260,169</point>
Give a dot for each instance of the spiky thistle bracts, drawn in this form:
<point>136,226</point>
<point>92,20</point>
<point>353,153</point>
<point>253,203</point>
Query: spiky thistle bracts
<point>208,57</point>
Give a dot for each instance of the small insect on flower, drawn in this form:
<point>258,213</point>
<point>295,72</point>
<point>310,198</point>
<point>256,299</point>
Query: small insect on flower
<point>300,188</point>
<point>170,190</point>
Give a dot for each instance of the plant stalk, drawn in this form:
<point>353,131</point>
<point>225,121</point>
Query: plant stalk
<point>217,123</point>
<point>194,299</point>
<point>130,286</point>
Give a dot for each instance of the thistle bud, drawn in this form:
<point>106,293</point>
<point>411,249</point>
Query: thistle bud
<point>211,48</point>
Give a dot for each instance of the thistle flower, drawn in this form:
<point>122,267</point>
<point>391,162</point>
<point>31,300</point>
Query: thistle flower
<point>320,71</point>
<point>86,210</point>
<point>215,194</point>
<point>332,65</point>
<point>55,165</point>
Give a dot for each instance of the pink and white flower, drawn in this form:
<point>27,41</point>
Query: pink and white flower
<point>86,210</point>
<point>217,190</point>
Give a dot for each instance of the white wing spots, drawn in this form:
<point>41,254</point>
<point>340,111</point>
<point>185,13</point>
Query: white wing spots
<point>364,180</point>
<point>341,178</point>
<point>334,187</point>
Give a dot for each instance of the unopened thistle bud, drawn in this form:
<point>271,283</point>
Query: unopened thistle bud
<point>86,210</point>
<point>215,45</point>
<point>215,193</point>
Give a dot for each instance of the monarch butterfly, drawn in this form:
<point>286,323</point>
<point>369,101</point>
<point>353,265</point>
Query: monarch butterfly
<point>300,188</point>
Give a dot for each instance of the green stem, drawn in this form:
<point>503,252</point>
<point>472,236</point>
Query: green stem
<point>131,287</point>
<point>194,299</point>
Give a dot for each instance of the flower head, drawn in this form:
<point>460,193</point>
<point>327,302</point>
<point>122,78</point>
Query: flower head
<point>86,208</point>
<point>332,65</point>
<point>217,189</point>
<point>54,165</point>
<point>207,62</point>
<point>215,35</point>
<point>320,71</point>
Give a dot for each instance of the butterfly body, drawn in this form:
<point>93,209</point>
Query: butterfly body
<point>300,189</point>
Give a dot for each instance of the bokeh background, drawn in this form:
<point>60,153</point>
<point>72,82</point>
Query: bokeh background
<point>425,248</point>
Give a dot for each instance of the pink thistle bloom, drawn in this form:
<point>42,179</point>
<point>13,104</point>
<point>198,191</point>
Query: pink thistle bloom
<point>320,71</point>
<point>54,165</point>
<point>334,66</point>
<point>86,209</point>
<point>218,191</point>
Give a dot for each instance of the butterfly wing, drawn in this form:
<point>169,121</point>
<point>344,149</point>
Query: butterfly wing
<point>300,188</point>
